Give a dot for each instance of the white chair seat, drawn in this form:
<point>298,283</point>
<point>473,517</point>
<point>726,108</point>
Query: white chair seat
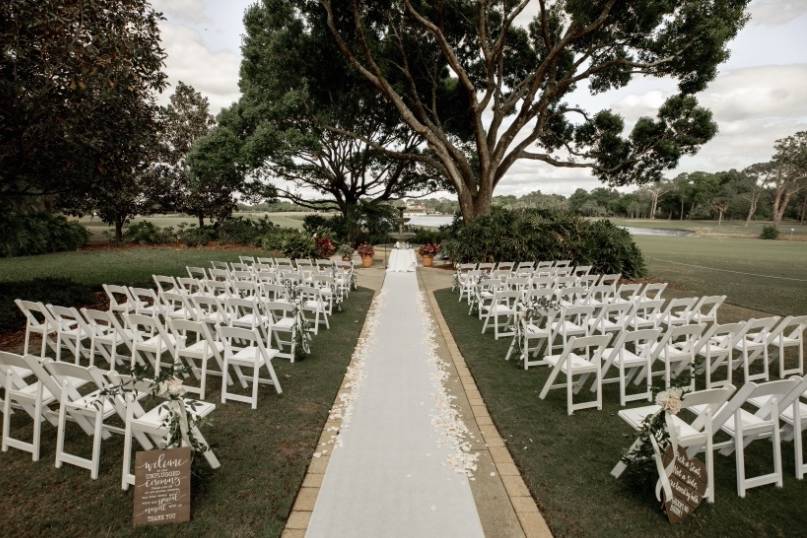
<point>786,341</point>
<point>568,326</point>
<point>626,358</point>
<point>533,330</point>
<point>154,343</point>
<point>249,356</point>
<point>90,403</point>
<point>749,421</point>
<point>574,362</point>
<point>249,320</point>
<point>499,309</point>
<point>314,305</point>
<point>155,417</point>
<point>713,348</point>
<point>787,413</point>
<point>201,348</point>
<point>285,324</point>
<point>687,435</point>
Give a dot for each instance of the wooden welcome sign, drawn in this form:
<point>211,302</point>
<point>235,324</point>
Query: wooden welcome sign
<point>688,483</point>
<point>162,487</point>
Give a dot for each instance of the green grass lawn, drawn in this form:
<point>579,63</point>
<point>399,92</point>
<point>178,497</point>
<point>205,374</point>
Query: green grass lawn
<point>731,228</point>
<point>264,456</point>
<point>721,262</point>
<point>566,461</point>
<point>115,265</point>
<point>285,219</point>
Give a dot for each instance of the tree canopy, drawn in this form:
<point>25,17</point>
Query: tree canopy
<point>482,91</point>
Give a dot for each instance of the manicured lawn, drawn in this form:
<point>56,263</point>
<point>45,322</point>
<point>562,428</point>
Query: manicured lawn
<point>285,219</point>
<point>777,282</point>
<point>264,456</point>
<point>566,461</point>
<point>732,228</point>
<point>115,266</point>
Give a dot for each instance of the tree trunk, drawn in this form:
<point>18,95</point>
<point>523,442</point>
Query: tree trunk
<point>682,209</point>
<point>474,205</point>
<point>719,217</point>
<point>751,210</point>
<point>803,214</point>
<point>780,201</point>
<point>201,219</point>
<point>653,206</point>
<point>119,222</point>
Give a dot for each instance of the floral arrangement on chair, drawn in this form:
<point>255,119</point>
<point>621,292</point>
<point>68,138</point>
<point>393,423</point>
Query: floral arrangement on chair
<point>429,249</point>
<point>365,250</point>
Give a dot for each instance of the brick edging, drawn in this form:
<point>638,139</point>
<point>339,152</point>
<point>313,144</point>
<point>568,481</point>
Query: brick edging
<point>529,517</point>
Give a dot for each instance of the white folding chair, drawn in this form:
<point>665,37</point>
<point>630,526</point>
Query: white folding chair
<point>220,265</point>
<point>577,358</point>
<point>646,314</point>
<point>678,311</point>
<point>630,362</point>
<point>571,321</point>
<point>676,350</point>
<point>146,302</point>
<point>176,306</point>
<point>717,348</point>
<point>653,291</point>
<point>166,284</point>
<point>150,340</point>
<point>503,305</point>
<point>627,293</point>
<point>537,328</point>
<point>754,344</point>
<point>697,435</point>
<point>244,348</point>
<point>38,320</point>
<point>610,318</point>
<point>610,280</point>
<point>745,427</point>
<point>284,328</point>
<point>197,272</point>
<point>120,300</point>
<point>248,314</point>
<point>312,301</point>
<point>705,310</point>
<point>106,336</point>
<point>72,331</point>
<point>789,334</point>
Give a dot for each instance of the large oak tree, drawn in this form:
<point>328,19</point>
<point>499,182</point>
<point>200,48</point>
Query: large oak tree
<point>483,92</point>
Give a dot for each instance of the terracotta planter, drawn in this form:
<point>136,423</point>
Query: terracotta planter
<point>427,261</point>
<point>366,261</point>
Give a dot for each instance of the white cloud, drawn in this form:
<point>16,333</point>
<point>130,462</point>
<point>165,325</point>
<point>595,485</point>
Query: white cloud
<point>776,12</point>
<point>215,74</point>
<point>188,10</point>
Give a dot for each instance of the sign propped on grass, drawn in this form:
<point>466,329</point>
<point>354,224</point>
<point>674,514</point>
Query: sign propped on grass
<point>162,487</point>
<point>687,483</point>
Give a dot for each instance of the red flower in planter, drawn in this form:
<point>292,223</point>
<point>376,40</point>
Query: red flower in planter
<point>429,249</point>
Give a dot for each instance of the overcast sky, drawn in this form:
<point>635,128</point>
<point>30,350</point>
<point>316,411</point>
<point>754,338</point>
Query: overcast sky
<point>760,94</point>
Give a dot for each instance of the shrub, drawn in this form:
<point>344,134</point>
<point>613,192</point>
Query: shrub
<point>430,235</point>
<point>313,223</point>
<point>769,232</point>
<point>195,236</point>
<point>243,231</point>
<point>39,233</point>
<point>345,250</point>
<point>58,291</point>
<point>533,234</point>
<point>298,245</point>
<point>147,233</point>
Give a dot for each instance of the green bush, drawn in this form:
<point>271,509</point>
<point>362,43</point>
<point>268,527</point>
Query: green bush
<point>39,233</point>
<point>429,235</point>
<point>533,234</point>
<point>195,236</point>
<point>147,233</point>
<point>298,245</point>
<point>243,231</point>
<point>58,291</point>
<point>769,232</point>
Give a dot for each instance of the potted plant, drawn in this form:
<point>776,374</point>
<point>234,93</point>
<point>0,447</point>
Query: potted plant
<point>324,246</point>
<point>428,252</point>
<point>366,251</point>
<point>346,251</point>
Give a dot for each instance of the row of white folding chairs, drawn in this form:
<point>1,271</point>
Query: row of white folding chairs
<point>148,338</point>
<point>479,292</point>
<point>512,266</point>
<point>636,301</point>
<point>467,281</point>
<point>35,387</point>
<point>247,262</point>
<point>772,411</point>
<point>324,288</point>
<point>219,302</point>
<point>339,283</point>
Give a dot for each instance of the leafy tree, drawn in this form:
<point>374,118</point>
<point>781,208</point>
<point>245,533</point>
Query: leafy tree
<point>76,79</point>
<point>482,92</point>
<point>786,174</point>
<point>183,121</point>
<point>300,100</point>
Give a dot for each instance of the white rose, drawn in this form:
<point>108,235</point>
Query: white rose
<point>670,400</point>
<point>173,387</point>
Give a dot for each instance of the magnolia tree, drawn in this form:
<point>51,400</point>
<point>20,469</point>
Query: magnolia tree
<point>486,83</point>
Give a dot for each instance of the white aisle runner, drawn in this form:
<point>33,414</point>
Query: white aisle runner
<point>402,260</point>
<point>391,474</point>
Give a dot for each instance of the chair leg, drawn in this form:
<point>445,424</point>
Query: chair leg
<point>96,445</point>
<point>739,456</point>
<point>255,383</point>
<point>127,455</point>
<point>569,394</point>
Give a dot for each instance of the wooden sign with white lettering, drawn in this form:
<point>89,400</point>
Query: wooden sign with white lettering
<point>688,483</point>
<point>162,487</point>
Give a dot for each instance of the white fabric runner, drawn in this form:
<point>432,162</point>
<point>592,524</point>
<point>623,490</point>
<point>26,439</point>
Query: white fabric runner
<point>402,260</point>
<point>391,474</point>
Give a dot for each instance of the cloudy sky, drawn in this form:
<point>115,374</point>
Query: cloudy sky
<point>759,95</point>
